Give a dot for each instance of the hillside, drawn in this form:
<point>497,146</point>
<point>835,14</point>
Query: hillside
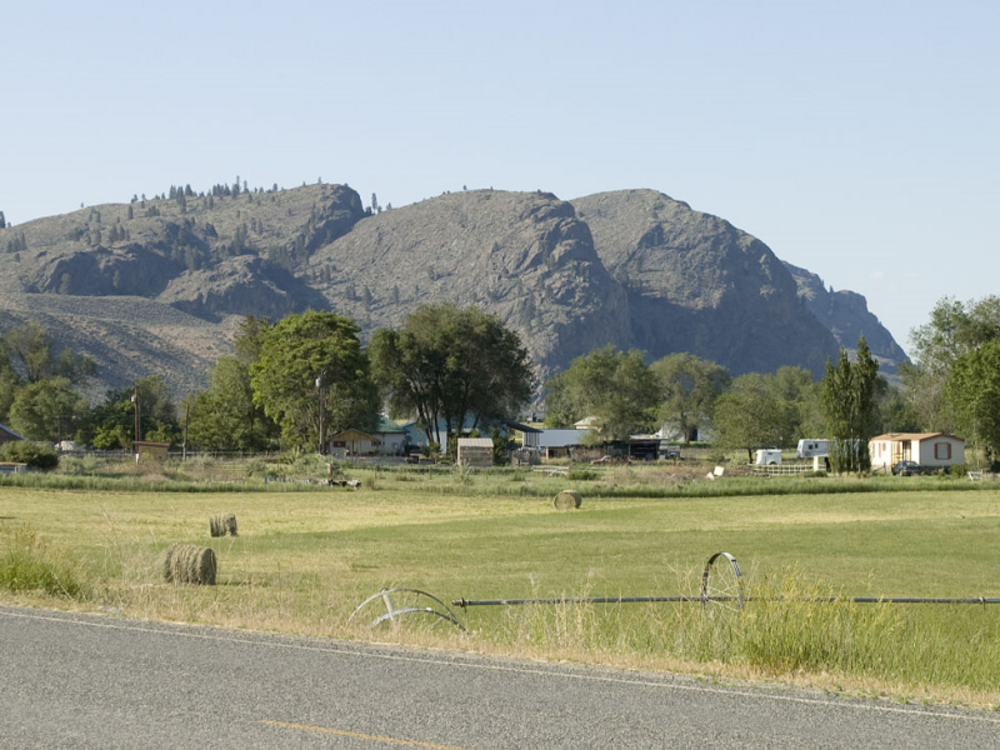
<point>157,285</point>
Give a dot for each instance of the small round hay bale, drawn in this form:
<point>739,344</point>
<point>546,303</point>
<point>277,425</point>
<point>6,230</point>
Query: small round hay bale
<point>222,524</point>
<point>567,500</point>
<point>187,563</point>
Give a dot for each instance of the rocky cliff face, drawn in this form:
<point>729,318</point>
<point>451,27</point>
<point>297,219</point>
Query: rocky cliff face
<point>525,257</point>
<point>698,284</point>
<point>846,315</point>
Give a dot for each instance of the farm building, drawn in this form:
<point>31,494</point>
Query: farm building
<point>353,443</point>
<point>7,435</point>
<point>933,449</point>
<point>529,434</point>
<point>149,451</point>
<point>475,452</point>
<point>391,436</point>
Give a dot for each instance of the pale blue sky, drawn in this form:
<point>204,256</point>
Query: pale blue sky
<point>856,139</point>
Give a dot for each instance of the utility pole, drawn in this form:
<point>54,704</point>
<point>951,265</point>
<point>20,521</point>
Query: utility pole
<point>187,421</point>
<point>322,414</point>
<point>135,402</point>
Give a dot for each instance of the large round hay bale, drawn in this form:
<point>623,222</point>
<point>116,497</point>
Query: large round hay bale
<point>567,500</point>
<point>187,563</point>
<point>222,524</point>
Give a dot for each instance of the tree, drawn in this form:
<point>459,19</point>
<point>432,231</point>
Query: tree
<point>752,414</point>
<point>955,329</point>
<point>849,404</point>
<point>973,390</point>
<point>112,424</point>
<point>560,411</point>
<point>796,387</point>
<point>46,409</point>
<point>617,388</point>
<point>225,417</point>
<point>689,387</point>
<point>30,346</point>
<point>309,359</point>
<point>447,364</point>
<point>30,349</point>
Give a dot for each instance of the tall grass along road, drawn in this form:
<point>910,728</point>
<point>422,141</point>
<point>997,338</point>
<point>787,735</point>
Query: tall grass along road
<point>90,681</point>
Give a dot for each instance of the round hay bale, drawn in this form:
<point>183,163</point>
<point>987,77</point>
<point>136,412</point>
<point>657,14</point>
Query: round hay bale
<point>567,500</point>
<point>187,563</point>
<point>222,524</point>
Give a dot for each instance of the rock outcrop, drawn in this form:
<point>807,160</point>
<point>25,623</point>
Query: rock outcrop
<point>698,284</point>
<point>245,285</point>
<point>846,315</point>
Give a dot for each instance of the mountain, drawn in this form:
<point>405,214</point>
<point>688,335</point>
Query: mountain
<point>158,285</point>
<point>698,284</point>
<point>846,315</point>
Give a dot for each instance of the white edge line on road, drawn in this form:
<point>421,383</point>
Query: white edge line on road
<point>254,639</point>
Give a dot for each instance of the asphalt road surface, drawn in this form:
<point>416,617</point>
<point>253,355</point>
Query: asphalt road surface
<point>69,681</point>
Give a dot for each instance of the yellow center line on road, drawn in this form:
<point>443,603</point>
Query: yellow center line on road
<point>359,735</point>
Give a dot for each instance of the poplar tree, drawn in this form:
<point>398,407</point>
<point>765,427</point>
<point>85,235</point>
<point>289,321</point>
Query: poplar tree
<point>848,402</point>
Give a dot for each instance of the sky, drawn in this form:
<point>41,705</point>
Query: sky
<point>856,139</point>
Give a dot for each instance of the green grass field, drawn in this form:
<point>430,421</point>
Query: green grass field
<point>305,559</point>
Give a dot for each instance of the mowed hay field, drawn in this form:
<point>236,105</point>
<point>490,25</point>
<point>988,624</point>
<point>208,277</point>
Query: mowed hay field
<point>304,560</point>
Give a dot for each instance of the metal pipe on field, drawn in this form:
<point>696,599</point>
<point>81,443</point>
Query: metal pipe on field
<point>574,600</point>
<point>464,603</point>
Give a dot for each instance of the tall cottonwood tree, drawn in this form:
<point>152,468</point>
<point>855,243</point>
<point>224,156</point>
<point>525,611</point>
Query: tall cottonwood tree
<point>447,365</point>
<point>689,386</point>
<point>955,330</point>
<point>615,387</point>
<point>973,391</point>
<point>295,353</point>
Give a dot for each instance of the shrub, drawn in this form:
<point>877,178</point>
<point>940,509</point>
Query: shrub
<point>28,565</point>
<point>35,455</point>
<point>958,470</point>
<point>78,466</point>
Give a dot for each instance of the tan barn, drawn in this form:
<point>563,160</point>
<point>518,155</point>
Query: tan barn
<point>932,449</point>
<point>475,452</point>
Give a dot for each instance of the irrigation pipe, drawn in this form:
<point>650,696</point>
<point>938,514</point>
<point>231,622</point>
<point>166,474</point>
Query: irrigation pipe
<point>464,603</point>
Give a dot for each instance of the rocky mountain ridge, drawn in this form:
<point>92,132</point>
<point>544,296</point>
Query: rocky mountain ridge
<point>630,268</point>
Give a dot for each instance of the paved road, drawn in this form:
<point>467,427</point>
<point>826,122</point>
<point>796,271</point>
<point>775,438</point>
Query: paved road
<point>87,681</point>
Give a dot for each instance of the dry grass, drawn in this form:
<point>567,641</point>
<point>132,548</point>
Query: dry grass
<point>303,562</point>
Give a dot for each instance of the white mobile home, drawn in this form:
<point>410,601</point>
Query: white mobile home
<point>933,449</point>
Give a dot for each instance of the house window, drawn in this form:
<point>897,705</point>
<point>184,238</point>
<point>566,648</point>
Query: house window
<point>942,451</point>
